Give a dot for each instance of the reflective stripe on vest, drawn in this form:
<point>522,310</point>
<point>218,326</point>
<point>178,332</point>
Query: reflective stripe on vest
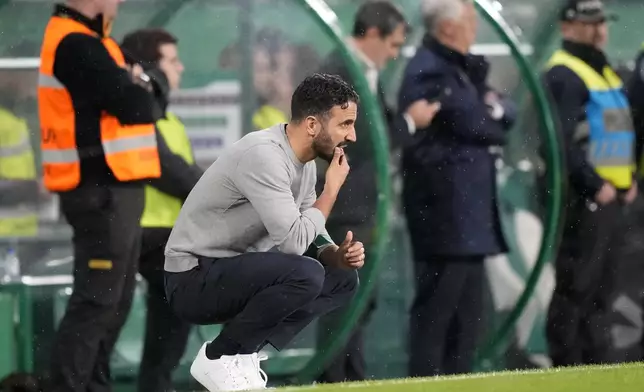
<point>20,147</point>
<point>18,222</point>
<point>16,154</point>
<point>161,209</point>
<point>608,126</point>
<point>130,151</point>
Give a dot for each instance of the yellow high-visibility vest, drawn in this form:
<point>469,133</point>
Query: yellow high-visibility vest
<point>161,209</point>
<point>608,125</point>
<point>267,116</point>
<point>16,163</point>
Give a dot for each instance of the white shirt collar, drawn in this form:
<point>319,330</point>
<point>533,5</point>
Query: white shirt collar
<point>372,70</point>
<point>361,55</point>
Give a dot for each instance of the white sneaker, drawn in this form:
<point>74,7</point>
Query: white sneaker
<point>228,373</point>
<point>261,379</point>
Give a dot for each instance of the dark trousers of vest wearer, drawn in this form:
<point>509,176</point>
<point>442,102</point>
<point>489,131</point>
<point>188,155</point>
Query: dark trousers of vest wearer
<point>261,298</point>
<point>578,317</point>
<point>445,317</point>
<point>166,335</point>
<point>107,240</point>
<point>349,363</point>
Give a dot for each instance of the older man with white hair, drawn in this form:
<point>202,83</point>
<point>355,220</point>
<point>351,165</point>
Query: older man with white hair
<point>449,188</point>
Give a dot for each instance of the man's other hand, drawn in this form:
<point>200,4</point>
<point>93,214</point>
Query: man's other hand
<point>422,112</point>
<point>606,194</point>
<point>351,253</point>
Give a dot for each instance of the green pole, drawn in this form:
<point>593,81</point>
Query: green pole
<point>554,179</point>
<point>328,21</point>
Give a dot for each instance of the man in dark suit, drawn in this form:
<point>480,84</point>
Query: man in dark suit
<point>379,32</point>
<point>450,188</point>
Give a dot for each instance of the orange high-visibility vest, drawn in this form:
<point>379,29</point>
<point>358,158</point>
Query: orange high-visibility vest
<point>130,151</point>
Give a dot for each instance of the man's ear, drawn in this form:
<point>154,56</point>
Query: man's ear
<point>372,32</point>
<point>312,126</point>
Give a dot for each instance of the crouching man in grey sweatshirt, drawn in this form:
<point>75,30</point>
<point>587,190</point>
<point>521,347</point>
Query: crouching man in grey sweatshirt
<point>239,252</point>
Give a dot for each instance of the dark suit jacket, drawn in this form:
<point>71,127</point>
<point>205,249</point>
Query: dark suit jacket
<point>356,203</point>
<point>450,175</point>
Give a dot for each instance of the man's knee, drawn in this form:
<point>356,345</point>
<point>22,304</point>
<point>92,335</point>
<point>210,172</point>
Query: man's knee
<point>344,282</point>
<point>309,274</point>
<point>351,282</point>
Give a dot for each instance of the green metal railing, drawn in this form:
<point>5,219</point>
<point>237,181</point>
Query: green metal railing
<point>554,180</point>
<point>328,20</point>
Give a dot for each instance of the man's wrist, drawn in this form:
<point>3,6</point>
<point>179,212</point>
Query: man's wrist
<point>329,255</point>
<point>330,191</point>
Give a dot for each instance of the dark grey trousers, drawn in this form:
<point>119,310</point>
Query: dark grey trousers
<point>260,298</point>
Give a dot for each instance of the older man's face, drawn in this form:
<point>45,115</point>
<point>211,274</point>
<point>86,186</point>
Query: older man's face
<point>469,23</point>
<point>460,33</point>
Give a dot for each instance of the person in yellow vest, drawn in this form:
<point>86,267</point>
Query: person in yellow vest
<point>268,55</point>
<point>20,188</point>
<point>267,116</point>
<point>98,147</point>
<point>166,335</point>
<point>598,136</point>
<point>272,75</point>
<point>18,178</point>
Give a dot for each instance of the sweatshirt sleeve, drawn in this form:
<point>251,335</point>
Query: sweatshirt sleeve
<point>262,176</point>
<point>323,240</point>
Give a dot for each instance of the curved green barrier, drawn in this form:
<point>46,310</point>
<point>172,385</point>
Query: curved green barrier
<point>328,20</point>
<point>165,12</point>
<point>554,178</point>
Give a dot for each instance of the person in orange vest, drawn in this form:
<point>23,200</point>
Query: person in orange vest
<point>99,149</point>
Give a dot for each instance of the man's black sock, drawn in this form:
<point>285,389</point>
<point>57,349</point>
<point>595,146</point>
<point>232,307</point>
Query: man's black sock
<point>224,346</point>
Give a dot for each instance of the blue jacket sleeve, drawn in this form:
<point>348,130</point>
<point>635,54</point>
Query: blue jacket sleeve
<point>510,111</point>
<point>478,70</point>
<point>464,119</point>
<point>569,95</point>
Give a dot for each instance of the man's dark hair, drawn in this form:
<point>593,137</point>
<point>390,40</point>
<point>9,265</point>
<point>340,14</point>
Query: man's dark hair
<point>381,14</point>
<point>318,94</point>
<point>144,45</point>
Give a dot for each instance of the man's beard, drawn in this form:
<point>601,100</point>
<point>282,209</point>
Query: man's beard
<point>323,145</point>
